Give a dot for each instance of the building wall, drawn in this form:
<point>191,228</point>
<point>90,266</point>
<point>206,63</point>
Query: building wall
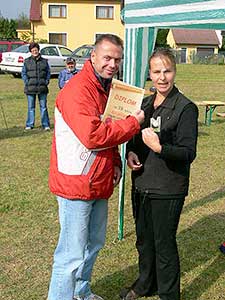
<point>21,33</point>
<point>190,49</point>
<point>81,24</point>
<point>170,40</point>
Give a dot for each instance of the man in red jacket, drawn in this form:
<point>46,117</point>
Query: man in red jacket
<point>85,167</point>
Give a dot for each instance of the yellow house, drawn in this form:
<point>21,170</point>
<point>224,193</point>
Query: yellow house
<point>74,22</point>
<point>191,42</point>
<point>21,33</point>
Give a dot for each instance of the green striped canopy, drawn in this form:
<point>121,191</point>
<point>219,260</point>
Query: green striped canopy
<point>142,18</point>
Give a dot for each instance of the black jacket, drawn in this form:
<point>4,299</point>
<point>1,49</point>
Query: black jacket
<point>167,174</point>
<point>36,75</point>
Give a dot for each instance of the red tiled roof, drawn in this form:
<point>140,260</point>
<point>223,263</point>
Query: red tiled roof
<point>195,37</point>
<point>35,10</point>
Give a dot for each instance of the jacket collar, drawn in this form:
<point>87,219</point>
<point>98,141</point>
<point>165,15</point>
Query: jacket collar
<point>105,83</point>
<point>92,75</point>
<point>171,98</point>
<point>36,57</point>
<point>69,72</point>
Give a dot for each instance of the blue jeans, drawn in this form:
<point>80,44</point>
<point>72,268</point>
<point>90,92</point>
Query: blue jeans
<point>31,99</point>
<point>82,235</point>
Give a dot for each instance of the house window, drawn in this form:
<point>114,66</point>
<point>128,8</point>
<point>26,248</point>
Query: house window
<point>183,55</point>
<point>57,11</point>
<point>204,52</point>
<point>57,38</point>
<point>104,12</point>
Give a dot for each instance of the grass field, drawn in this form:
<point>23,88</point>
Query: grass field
<point>29,224</point>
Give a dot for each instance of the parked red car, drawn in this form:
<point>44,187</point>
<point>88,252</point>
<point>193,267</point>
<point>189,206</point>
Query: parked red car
<point>7,45</point>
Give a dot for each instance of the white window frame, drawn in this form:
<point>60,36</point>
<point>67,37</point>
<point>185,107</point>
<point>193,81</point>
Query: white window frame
<point>57,4</point>
<point>102,4</point>
<point>56,32</point>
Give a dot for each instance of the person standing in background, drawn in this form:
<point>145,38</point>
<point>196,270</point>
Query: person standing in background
<point>36,75</point>
<point>68,72</point>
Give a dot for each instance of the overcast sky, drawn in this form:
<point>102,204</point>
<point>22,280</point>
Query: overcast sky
<point>11,9</point>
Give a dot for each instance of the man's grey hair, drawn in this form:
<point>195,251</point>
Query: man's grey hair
<point>114,39</point>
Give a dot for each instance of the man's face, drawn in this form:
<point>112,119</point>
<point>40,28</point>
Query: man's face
<point>34,51</point>
<point>70,66</point>
<point>106,58</point>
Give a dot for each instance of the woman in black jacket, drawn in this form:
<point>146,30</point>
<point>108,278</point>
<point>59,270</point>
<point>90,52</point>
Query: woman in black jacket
<point>160,157</point>
<point>36,75</point>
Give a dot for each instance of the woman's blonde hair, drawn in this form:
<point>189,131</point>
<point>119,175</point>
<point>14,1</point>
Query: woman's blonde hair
<point>165,54</point>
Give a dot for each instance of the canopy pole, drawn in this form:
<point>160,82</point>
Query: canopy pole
<point>139,43</point>
<point>122,194</point>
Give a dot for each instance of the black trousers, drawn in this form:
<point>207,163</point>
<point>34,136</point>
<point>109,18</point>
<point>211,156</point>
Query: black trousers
<point>156,226</point>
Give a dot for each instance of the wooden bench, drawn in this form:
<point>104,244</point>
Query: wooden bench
<point>210,106</point>
<point>200,103</point>
<point>221,114</point>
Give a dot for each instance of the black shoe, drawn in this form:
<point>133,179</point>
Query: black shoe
<point>154,293</point>
<point>128,294</point>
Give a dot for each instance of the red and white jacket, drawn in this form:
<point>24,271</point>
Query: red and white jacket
<point>84,149</point>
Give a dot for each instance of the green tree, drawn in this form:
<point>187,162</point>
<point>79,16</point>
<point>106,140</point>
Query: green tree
<point>222,48</point>
<point>161,38</point>
<point>22,22</point>
<point>7,28</point>
<point>12,29</point>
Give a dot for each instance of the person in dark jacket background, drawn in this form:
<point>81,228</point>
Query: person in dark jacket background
<point>68,72</point>
<point>160,157</point>
<point>36,75</point>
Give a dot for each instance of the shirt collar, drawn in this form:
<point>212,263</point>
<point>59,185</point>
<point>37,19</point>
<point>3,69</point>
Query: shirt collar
<point>105,83</point>
<point>171,98</point>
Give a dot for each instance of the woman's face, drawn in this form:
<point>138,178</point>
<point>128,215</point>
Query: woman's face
<point>34,52</point>
<point>162,72</point>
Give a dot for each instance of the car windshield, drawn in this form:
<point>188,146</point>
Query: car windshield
<point>3,48</point>
<point>22,49</point>
<point>82,52</point>
<point>65,51</point>
<point>14,46</point>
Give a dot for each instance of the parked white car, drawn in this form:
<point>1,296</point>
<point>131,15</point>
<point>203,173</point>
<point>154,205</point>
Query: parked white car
<point>12,62</point>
